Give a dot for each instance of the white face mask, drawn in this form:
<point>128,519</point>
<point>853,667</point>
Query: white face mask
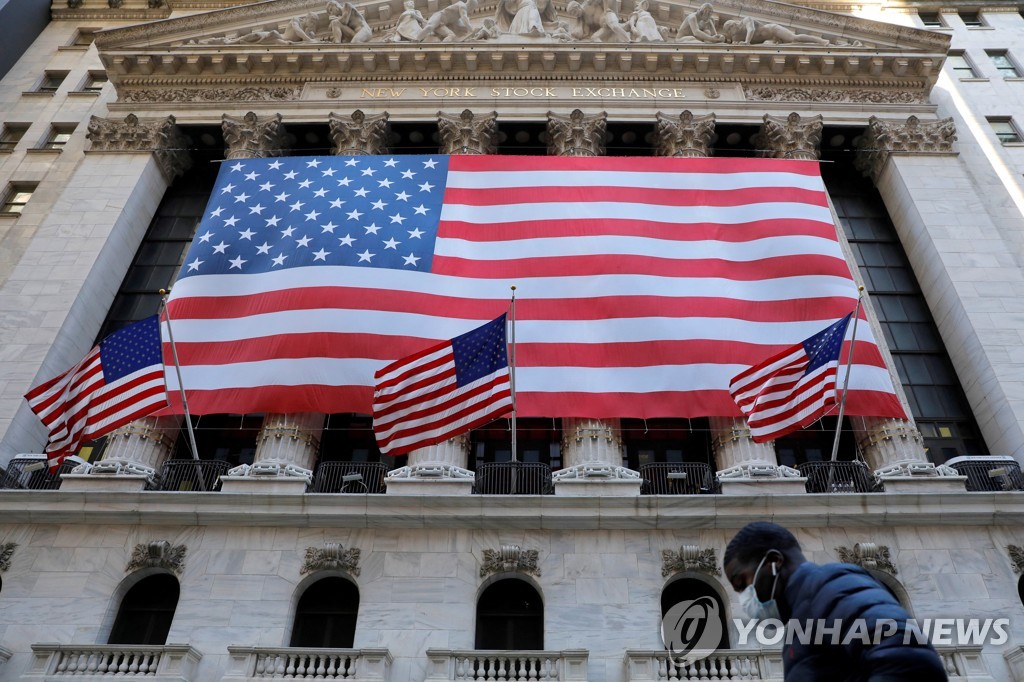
<point>754,607</point>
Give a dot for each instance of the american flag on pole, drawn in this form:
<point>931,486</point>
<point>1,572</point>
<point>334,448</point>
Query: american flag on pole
<point>792,389</point>
<point>119,380</point>
<point>645,284</point>
<point>443,391</point>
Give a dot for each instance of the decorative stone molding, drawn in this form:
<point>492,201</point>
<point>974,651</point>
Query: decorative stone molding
<point>253,137</point>
<point>331,557</point>
<point>883,138</point>
<point>783,94</point>
<point>432,471</point>
<point>792,137</point>
<point>359,134</point>
<point>869,556</point>
<point>271,469</point>
<point>162,137</point>
<point>6,552</point>
<point>689,558</point>
<point>510,559</point>
<point>577,134</point>
<point>214,94</point>
<point>1016,553</point>
<point>122,467</point>
<point>157,554</point>
<point>688,136</point>
<point>592,450</point>
<point>468,133</point>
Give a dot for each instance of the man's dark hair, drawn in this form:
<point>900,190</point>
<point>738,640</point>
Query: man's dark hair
<point>755,539</point>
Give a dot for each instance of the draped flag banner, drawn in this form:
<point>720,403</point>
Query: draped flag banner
<point>119,380</point>
<point>443,391</point>
<point>792,389</point>
<point>644,284</point>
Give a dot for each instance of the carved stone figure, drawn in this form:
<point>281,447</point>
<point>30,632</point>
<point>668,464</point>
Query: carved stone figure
<point>641,25</point>
<point>699,27</point>
<point>510,559</point>
<point>467,133</point>
<point>576,134</point>
<point>449,24</point>
<point>157,554</point>
<point>299,30</point>
<point>525,17</point>
<point>869,556</point>
<point>689,558</point>
<point>410,23</point>
<point>688,136</point>
<point>746,31</point>
<point>347,23</point>
<point>331,557</point>
<point>359,133</point>
<point>596,21</point>
<point>6,552</point>
<point>488,30</point>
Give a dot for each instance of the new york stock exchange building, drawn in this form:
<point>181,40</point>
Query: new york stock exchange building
<point>293,548</point>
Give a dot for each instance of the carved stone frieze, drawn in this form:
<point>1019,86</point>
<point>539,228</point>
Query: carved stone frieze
<point>790,137</point>
<point>1016,553</point>
<point>510,559</point>
<point>783,94</point>
<point>162,137</point>
<point>915,136</point>
<point>157,554</point>
<point>468,133</point>
<point>252,136</point>
<point>869,556</point>
<point>6,552</point>
<point>689,558</point>
<point>331,557</point>
<point>577,134</point>
<point>686,136</point>
<point>359,133</point>
<point>212,94</point>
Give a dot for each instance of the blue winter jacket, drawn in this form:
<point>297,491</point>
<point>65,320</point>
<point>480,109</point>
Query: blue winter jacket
<point>846,593</point>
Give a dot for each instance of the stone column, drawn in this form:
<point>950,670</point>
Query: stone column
<point>135,453</point>
<point>688,136</point>
<point>359,134</point>
<point>792,137</point>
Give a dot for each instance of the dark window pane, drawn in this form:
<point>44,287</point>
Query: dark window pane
<point>146,612</point>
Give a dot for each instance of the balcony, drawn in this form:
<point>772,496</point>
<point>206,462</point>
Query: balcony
<point>357,665</point>
<point>167,663</point>
<point>350,477</point>
<point>683,478</point>
<point>508,666</point>
<point>513,478</point>
<point>839,477</point>
<point>989,473</point>
<point>189,475</point>
<point>29,472</point>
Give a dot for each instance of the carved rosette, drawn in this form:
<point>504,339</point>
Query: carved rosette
<point>577,134</point>
<point>792,137</point>
<point>510,559</point>
<point>468,133</point>
<point>162,137</point>
<point>883,138</point>
<point>359,134</point>
<point>6,552</point>
<point>869,556</point>
<point>1016,553</point>
<point>689,558</point>
<point>253,137</point>
<point>688,136</point>
<point>331,557</point>
<point>157,554</point>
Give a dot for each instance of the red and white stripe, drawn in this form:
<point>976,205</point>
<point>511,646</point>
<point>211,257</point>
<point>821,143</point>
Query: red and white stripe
<point>417,403</point>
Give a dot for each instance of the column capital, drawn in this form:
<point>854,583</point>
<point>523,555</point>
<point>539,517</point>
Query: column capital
<point>252,136</point>
<point>359,134</point>
<point>468,133</point>
<point>160,136</point>
<point>577,134</point>
<point>687,136</point>
<point>913,136</point>
<point>790,137</point>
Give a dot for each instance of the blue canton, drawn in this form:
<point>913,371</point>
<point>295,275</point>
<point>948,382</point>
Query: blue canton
<point>130,349</point>
<point>824,347</point>
<point>480,352</point>
<point>363,211</point>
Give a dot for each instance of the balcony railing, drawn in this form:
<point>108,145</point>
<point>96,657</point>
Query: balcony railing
<point>350,477</point>
<point>177,662</point>
<point>989,473</point>
<point>189,475</point>
<point>683,478</point>
<point>8,481</point>
<point>508,666</point>
<point>839,477</point>
<point>359,665</point>
<point>513,478</point>
<point>30,472</point>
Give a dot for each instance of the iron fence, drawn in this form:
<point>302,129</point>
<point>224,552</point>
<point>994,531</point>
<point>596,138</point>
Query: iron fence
<point>839,477</point>
<point>513,478</point>
<point>31,473</point>
<point>680,478</point>
<point>990,474</point>
<point>350,477</point>
<point>185,475</point>
<point>7,481</point>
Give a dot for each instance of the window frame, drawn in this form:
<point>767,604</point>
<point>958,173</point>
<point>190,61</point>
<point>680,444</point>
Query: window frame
<point>57,130</point>
<point>11,135</point>
<point>1003,137</point>
<point>94,81</point>
<point>976,20</point>
<point>88,33</point>
<point>937,22</point>
<point>49,76</point>
<point>1012,67</point>
<point>12,189</point>
<point>968,66</point>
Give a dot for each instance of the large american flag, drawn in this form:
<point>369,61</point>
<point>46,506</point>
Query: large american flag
<point>644,284</point>
<point>118,381</point>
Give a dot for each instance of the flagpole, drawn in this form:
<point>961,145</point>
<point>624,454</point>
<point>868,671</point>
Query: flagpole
<point>512,368</point>
<point>846,383</point>
<point>181,387</point>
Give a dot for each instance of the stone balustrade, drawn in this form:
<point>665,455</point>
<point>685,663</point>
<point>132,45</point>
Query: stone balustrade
<point>357,665</point>
<point>167,663</point>
<point>568,665</point>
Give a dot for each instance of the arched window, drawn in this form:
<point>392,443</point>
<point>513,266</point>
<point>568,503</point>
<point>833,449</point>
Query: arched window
<point>146,611</point>
<point>688,589</point>
<point>510,616</point>
<point>326,615</point>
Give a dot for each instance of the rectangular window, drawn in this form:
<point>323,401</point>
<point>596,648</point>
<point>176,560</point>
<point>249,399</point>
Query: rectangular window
<point>931,19</point>
<point>58,136</point>
<point>1005,130</point>
<point>95,81</point>
<point>971,19</point>
<point>961,66</point>
<point>84,37</point>
<point>51,81</point>
<point>1003,63</point>
<point>16,196</point>
<point>11,135</point>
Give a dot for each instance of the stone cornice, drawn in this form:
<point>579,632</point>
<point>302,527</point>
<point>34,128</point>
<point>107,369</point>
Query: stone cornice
<point>526,512</point>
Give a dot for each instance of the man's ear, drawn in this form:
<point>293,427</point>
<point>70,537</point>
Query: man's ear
<point>776,559</point>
